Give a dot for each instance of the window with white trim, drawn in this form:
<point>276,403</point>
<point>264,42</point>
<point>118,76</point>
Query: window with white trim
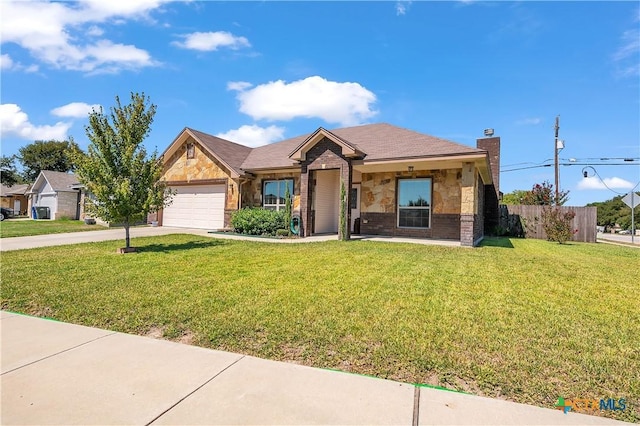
<point>414,203</point>
<point>273,193</point>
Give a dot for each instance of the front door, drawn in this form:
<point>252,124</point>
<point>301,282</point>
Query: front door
<point>325,202</point>
<point>355,206</point>
<point>16,207</point>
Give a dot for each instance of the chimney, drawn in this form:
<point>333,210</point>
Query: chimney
<point>491,144</point>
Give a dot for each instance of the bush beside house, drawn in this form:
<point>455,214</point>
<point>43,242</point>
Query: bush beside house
<point>258,221</point>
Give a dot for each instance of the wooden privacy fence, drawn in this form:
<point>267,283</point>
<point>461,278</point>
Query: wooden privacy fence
<point>526,221</point>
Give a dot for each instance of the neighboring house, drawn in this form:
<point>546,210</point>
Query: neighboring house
<point>399,182</point>
<point>56,190</point>
<point>14,197</point>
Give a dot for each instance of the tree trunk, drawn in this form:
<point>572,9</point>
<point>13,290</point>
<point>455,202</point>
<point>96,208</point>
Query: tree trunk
<point>126,233</point>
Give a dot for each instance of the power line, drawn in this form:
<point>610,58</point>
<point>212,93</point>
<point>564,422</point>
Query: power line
<point>572,163</point>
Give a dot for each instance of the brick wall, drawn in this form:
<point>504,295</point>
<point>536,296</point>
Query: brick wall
<point>491,193</point>
<point>443,226</point>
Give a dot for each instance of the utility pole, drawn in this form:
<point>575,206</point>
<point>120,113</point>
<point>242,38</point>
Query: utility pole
<point>555,150</point>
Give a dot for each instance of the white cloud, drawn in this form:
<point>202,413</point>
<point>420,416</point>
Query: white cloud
<point>75,110</point>
<point>334,102</point>
<point>254,135</point>
<point>529,121</point>
<point>211,41</point>
<point>6,62</point>
<point>625,57</point>
<point>95,31</point>
<point>594,182</point>
<point>402,7</point>
<point>14,121</point>
<point>238,85</point>
<point>56,33</point>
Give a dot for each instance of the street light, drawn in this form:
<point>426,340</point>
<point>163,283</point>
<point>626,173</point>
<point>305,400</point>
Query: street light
<point>585,173</point>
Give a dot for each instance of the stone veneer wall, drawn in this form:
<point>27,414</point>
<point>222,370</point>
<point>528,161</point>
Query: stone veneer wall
<point>252,191</point>
<point>378,204</point>
<point>200,168</point>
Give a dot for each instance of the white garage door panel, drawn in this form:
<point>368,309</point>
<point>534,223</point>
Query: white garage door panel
<point>197,206</point>
<point>48,201</point>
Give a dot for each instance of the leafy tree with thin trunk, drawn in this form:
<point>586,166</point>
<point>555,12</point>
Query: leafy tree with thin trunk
<point>57,156</point>
<point>124,183</point>
<point>8,174</point>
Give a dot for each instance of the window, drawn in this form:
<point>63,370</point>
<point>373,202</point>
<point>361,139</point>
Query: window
<point>414,203</point>
<point>191,150</point>
<point>273,192</point>
<point>354,199</point>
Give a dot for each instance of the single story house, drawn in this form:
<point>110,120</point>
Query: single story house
<point>56,190</point>
<point>14,197</point>
<point>399,182</point>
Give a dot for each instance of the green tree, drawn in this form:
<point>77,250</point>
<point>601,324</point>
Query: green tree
<point>8,174</point>
<point>615,211</point>
<point>343,223</point>
<point>48,155</point>
<point>515,197</point>
<point>123,179</point>
<point>287,209</point>
<point>544,195</point>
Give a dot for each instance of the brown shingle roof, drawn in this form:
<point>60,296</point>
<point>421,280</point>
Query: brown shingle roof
<point>230,152</point>
<point>380,141</point>
<point>60,181</point>
<point>18,189</point>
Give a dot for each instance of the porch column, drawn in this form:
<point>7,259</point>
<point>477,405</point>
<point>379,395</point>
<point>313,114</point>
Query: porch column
<point>305,202</point>
<point>468,204</point>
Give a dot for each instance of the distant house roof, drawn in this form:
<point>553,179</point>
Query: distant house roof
<point>59,181</point>
<point>7,191</point>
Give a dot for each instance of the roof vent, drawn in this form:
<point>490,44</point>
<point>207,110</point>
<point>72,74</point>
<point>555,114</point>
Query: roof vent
<point>488,132</point>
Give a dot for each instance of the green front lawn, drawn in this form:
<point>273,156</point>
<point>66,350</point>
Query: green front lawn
<point>524,320</point>
<point>24,228</point>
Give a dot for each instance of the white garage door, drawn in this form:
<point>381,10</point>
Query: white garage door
<point>48,200</point>
<point>196,206</point>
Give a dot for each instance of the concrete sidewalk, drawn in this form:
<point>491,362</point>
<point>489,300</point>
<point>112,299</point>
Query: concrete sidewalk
<point>50,240</point>
<point>57,373</point>
<point>108,234</point>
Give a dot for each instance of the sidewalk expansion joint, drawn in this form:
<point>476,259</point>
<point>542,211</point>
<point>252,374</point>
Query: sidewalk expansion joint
<point>195,390</point>
<point>416,405</point>
<point>58,353</point>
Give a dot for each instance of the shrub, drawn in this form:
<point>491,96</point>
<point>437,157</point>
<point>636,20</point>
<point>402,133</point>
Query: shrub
<point>283,232</point>
<point>557,225</point>
<point>257,221</point>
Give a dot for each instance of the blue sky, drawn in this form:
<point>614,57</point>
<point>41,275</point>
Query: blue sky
<point>259,72</point>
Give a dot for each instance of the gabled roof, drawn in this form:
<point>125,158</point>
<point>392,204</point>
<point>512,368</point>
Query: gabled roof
<point>230,154</point>
<point>348,149</point>
<point>377,142</point>
<point>7,191</point>
<point>59,181</point>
